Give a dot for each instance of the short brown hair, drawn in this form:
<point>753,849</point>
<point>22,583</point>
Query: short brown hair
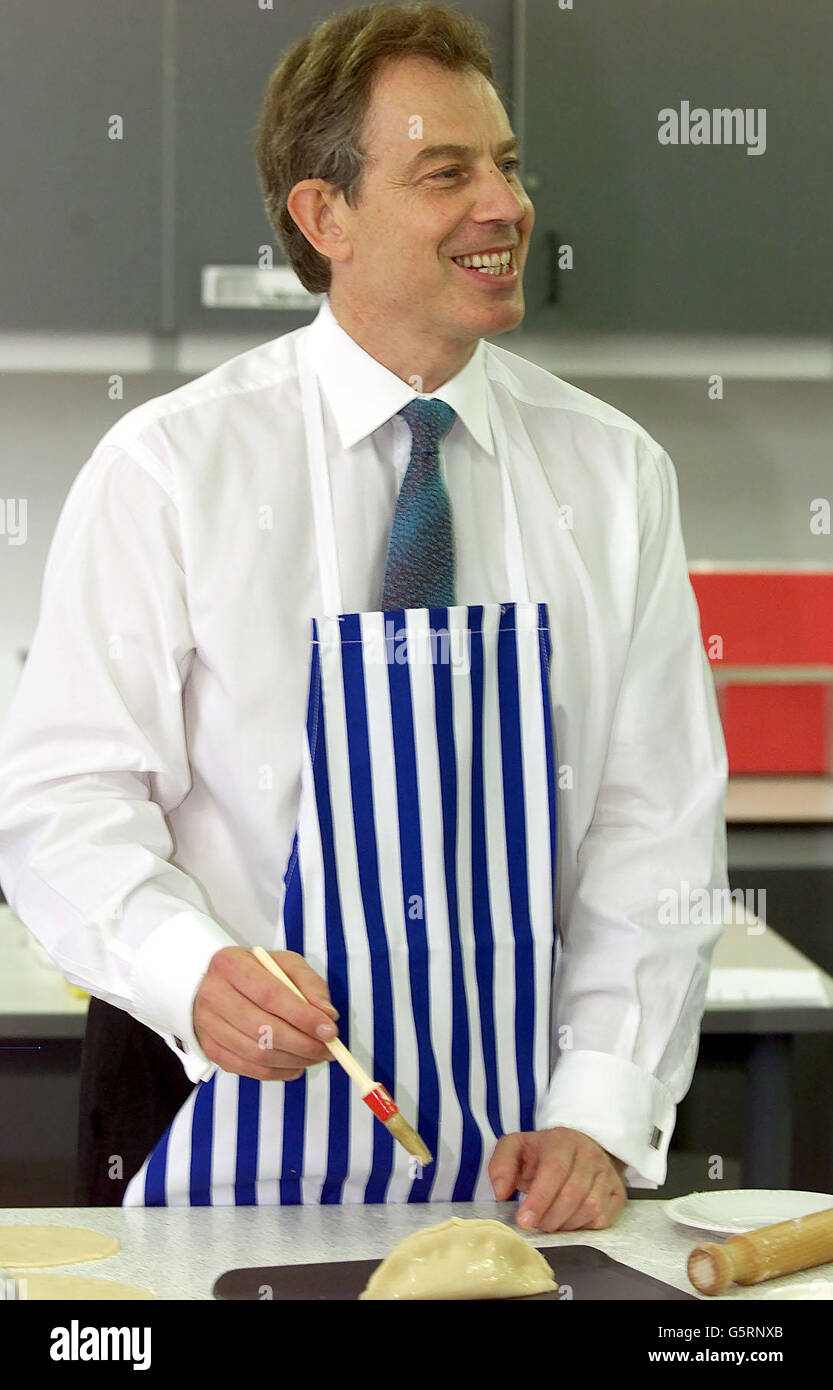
<point>317,98</point>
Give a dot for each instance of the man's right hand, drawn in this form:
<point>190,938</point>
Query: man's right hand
<point>251,1024</point>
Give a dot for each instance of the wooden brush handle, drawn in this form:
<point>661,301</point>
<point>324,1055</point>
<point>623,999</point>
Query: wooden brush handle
<point>754,1256</point>
<point>335,1045</point>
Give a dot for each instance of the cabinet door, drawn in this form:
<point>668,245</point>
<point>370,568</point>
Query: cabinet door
<point>225,52</point>
<point>81,232</point>
<point>680,237</point>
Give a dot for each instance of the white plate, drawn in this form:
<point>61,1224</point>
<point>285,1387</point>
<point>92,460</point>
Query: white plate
<point>724,1212</point>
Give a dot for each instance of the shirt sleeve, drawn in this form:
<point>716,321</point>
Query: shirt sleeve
<point>633,965</point>
<point>93,753</point>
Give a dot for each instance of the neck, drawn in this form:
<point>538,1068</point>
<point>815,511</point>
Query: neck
<point>405,352</point>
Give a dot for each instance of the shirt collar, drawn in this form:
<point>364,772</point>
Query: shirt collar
<point>363,394</point>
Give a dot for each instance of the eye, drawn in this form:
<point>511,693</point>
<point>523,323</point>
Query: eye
<point>441,174</point>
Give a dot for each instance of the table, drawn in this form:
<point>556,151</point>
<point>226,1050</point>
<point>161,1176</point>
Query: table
<point>769,1029</point>
<point>778,822</point>
<point>179,1252</point>
<point>762,798</point>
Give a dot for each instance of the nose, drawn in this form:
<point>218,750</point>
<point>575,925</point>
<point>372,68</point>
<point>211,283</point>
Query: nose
<point>498,202</point>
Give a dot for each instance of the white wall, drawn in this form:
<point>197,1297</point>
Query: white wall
<point>748,465</point>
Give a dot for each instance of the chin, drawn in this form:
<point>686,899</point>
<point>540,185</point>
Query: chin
<point>498,318</point>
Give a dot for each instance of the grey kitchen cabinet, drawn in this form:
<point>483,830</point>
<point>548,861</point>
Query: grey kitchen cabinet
<point>106,234</point>
<point>112,235</point>
<point>226,50</point>
<point>688,238</point>
<point>81,232</point>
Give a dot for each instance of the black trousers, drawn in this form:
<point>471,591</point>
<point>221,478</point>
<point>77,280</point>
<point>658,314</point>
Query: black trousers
<point>132,1085</point>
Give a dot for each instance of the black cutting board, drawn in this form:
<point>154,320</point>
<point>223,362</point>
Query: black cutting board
<point>590,1274</point>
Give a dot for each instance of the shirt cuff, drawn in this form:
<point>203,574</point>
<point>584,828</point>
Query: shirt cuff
<point>625,1109</point>
<point>166,976</point>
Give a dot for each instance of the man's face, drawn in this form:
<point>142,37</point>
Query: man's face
<point>416,213</point>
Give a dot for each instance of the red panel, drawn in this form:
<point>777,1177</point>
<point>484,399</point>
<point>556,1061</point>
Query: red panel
<point>782,618</point>
<point>776,728</point>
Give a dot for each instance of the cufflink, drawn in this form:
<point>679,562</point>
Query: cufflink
<point>179,1043</point>
<point>656,1138</point>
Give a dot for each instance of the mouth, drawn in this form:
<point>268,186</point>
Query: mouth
<point>497,267</point>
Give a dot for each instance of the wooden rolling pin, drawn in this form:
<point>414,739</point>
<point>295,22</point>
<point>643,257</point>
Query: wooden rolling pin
<point>754,1256</point>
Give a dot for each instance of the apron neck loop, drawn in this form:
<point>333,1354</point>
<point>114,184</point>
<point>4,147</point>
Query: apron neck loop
<point>322,500</point>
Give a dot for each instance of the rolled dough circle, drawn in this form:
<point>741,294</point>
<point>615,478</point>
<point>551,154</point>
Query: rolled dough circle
<point>43,1287</point>
<point>38,1247</point>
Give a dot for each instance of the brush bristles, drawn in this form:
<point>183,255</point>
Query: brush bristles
<point>408,1138</point>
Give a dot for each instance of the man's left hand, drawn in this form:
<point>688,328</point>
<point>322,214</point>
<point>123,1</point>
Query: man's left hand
<point>571,1182</point>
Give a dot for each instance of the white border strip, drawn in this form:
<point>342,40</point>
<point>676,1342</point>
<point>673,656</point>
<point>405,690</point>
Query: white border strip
<point>759,567</point>
<point>610,355</point>
<point>681,356</point>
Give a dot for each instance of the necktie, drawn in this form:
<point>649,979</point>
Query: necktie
<point>419,572</point>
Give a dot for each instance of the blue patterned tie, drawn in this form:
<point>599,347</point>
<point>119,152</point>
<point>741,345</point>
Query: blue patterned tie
<point>419,572</point>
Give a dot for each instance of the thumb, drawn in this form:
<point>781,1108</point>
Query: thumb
<point>504,1165</point>
<point>321,999</point>
<point>309,982</point>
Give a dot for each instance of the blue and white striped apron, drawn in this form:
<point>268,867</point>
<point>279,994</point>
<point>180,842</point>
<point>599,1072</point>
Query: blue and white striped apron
<point>420,885</point>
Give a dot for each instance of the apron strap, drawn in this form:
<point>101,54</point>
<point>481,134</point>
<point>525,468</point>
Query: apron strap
<point>322,500</point>
<point>513,547</point>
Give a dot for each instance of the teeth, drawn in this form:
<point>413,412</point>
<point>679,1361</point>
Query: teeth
<point>490,263</point>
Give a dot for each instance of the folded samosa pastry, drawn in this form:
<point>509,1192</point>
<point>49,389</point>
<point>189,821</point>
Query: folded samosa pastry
<point>462,1258</point>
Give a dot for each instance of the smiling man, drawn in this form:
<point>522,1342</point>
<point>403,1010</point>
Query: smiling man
<point>431,258</point>
<point>459,862</point>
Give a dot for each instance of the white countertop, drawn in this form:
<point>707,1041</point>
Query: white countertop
<point>29,982</point>
<point>178,1252</point>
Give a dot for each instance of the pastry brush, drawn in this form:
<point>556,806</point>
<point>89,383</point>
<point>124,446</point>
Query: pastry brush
<point>373,1092</point>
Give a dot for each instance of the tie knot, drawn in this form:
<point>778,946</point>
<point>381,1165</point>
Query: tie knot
<point>429,420</point>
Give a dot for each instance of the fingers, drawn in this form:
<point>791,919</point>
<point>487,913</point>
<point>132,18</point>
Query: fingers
<point>555,1188</point>
<point>244,972</point>
<point>505,1165</point>
<point>596,1210</point>
<point>571,1183</point>
<point>616,1199</point>
<point>252,1058</point>
<point>255,1022</point>
<point>264,1033</point>
<point>308,981</point>
<point>235,976</point>
<point>590,1197</point>
<point>229,1061</point>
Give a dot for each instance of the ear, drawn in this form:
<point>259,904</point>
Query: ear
<point>312,206</point>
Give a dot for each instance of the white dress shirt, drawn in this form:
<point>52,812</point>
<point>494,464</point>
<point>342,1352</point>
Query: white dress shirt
<point>150,763</point>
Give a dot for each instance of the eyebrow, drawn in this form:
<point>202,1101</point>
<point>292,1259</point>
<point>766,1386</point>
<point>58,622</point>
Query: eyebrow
<point>455,152</point>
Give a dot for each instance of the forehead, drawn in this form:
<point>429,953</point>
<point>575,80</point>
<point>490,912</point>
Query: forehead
<point>454,107</point>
